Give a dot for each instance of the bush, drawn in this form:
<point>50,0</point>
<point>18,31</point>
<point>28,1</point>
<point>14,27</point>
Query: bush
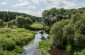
<point>13,40</point>
<point>68,48</point>
<point>1,23</point>
<point>82,52</point>
<point>44,46</point>
<point>23,22</point>
<point>37,25</point>
<point>69,33</point>
<point>8,44</point>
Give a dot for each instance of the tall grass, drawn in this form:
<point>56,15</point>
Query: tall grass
<point>12,40</point>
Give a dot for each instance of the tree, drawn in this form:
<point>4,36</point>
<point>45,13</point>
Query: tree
<point>69,33</point>
<point>23,22</point>
<point>27,22</point>
<point>56,33</point>
<point>11,23</point>
<point>1,23</point>
<point>20,21</point>
<point>53,15</point>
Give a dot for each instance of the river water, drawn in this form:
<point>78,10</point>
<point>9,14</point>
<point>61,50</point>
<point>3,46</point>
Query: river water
<point>31,49</point>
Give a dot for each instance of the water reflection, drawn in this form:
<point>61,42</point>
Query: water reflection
<point>32,48</point>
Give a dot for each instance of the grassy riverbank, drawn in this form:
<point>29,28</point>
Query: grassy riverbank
<point>13,40</point>
<point>44,46</point>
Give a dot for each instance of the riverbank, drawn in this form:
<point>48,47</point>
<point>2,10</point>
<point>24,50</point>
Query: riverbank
<point>45,46</point>
<point>58,51</point>
<point>32,48</point>
<point>13,40</point>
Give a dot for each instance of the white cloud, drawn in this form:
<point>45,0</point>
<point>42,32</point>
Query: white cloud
<point>26,11</point>
<point>32,7</point>
<point>39,13</point>
<point>3,3</point>
<point>22,3</point>
<point>68,4</point>
<point>4,10</point>
<point>54,1</point>
<point>45,1</point>
<point>57,4</point>
<point>36,1</point>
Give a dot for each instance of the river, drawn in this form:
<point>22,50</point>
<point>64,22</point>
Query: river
<point>31,49</point>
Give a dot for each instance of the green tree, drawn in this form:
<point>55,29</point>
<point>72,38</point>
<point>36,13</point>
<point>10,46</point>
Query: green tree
<point>23,22</point>
<point>1,23</point>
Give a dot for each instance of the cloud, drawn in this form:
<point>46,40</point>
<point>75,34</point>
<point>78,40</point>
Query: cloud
<point>61,4</point>
<point>34,13</point>
<point>26,11</point>
<point>45,1</point>
<point>68,4</point>
<point>54,1</point>
<point>36,1</point>
<point>22,3</point>
<point>32,7</point>
<point>4,10</point>
<point>36,7</point>
<point>3,3</point>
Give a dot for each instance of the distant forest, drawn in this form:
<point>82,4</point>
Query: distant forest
<point>8,16</point>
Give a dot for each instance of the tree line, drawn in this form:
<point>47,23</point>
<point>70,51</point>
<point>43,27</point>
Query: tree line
<point>67,29</point>
<point>20,20</point>
<point>8,15</point>
<point>52,15</point>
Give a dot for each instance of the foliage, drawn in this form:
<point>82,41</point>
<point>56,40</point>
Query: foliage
<point>1,23</point>
<point>8,16</point>
<point>44,46</point>
<point>82,52</point>
<point>52,15</point>
<point>12,40</point>
<point>11,23</point>
<point>68,47</point>
<point>69,33</point>
<point>37,25</point>
<point>23,22</point>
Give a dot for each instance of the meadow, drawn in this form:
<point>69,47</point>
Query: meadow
<point>13,40</point>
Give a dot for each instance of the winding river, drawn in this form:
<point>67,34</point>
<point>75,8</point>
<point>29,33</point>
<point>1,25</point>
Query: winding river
<point>31,49</point>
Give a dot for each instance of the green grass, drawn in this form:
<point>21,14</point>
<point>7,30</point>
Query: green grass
<point>13,40</point>
<point>37,25</point>
<point>44,46</point>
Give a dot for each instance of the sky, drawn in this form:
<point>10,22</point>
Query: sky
<point>36,7</point>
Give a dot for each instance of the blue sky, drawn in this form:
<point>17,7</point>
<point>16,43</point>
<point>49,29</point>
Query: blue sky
<point>36,7</point>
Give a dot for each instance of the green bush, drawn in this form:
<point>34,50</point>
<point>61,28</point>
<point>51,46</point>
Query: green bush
<point>68,48</point>
<point>1,23</point>
<point>13,40</point>
<point>37,25</point>
<point>8,44</point>
<point>82,52</point>
<point>70,31</point>
<point>44,46</point>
